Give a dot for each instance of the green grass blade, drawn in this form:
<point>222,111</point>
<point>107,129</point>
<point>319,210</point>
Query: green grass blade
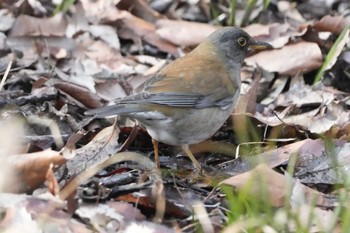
<point>64,6</point>
<point>232,14</point>
<point>333,52</point>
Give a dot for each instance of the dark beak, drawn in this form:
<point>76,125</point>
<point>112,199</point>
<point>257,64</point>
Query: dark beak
<point>257,45</point>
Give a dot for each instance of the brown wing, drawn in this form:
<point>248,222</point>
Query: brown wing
<point>204,83</point>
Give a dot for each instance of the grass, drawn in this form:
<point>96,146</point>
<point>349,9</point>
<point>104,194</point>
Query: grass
<point>64,6</point>
<point>249,7</point>
<point>252,211</point>
<point>332,54</point>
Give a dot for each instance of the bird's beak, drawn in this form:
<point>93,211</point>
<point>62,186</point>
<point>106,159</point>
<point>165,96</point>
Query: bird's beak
<point>259,46</point>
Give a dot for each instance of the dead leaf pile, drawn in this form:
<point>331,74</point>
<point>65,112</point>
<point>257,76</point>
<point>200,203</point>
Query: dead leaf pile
<point>287,137</point>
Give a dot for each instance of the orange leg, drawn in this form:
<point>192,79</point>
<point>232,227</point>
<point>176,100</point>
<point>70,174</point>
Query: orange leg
<point>156,152</point>
<point>191,156</point>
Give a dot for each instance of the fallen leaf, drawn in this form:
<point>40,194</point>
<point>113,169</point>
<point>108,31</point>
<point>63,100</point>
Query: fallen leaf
<point>262,181</point>
<point>292,59</point>
<point>107,34</point>
<point>275,34</point>
<point>27,172</point>
<point>289,10</point>
<point>80,94</point>
<point>30,26</point>
<point>96,151</point>
<point>110,89</point>
<point>6,20</point>
<point>329,23</point>
<point>272,158</point>
<point>140,8</point>
<point>317,164</point>
<point>72,185</point>
<point>51,181</point>
<point>100,11</point>
<point>183,33</point>
<point>132,27</point>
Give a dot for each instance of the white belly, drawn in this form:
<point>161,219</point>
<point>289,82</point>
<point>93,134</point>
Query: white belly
<point>197,126</point>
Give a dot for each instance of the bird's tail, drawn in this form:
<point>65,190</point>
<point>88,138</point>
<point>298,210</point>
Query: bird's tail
<point>111,111</point>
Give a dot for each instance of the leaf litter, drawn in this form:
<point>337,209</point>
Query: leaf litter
<point>101,50</point>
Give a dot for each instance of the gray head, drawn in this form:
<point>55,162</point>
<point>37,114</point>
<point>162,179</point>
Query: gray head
<point>234,43</point>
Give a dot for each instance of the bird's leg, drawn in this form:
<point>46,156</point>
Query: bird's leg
<point>156,152</point>
<point>186,148</point>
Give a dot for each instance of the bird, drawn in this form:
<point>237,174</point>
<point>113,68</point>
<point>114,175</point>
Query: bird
<point>189,99</point>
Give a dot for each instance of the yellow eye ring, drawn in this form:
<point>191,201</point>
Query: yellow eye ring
<point>242,41</point>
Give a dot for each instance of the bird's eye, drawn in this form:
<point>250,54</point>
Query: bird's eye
<point>242,41</point>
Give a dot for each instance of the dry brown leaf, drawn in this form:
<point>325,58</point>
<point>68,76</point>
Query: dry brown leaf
<point>289,10</point>
<point>275,184</point>
<point>183,33</point>
<point>272,158</point>
<point>95,56</point>
<point>32,47</point>
<point>318,122</point>
<point>100,11</point>
<point>26,172</point>
<point>132,27</point>
<point>51,181</point>
<point>275,34</point>
<point>333,24</point>
<point>139,8</point>
<point>318,163</point>
<point>147,227</point>
<point>79,93</point>
<point>49,214</point>
<point>101,53</point>
<point>96,151</point>
<point>300,94</point>
<point>262,181</point>
<point>6,20</point>
<point>72,185</point>
<point>30,26</point>
<point>110,89</point>
<point>247,101</point>
<point>105,216</point>
<point>107,34</point>
<point>128,211</point>
<point>292,59</point>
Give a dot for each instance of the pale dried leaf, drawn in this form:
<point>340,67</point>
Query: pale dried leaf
<point>310,217</point>
<point>316,165</point>
<point>300,94</point>
<point>26,172</point>
<point>138,29</point>
<point>147,227</point>
<point>274,184</point>
<point>96,151</point>
<point>333,24</point>
<point>70,187</point>
<point>97,56</point>
<point>288,9</point>
<point>292,59</point>
<point>183,33</point>
<point>275,34</point>
<point>272,158</point>
<point>51,181</point>
<point>30,26</point>
<point>6,20</point>
<point>110,90</point>
<point>100,11</point>
<point>262,181</point>
<point>106,34</point>
<point>319,123</point>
